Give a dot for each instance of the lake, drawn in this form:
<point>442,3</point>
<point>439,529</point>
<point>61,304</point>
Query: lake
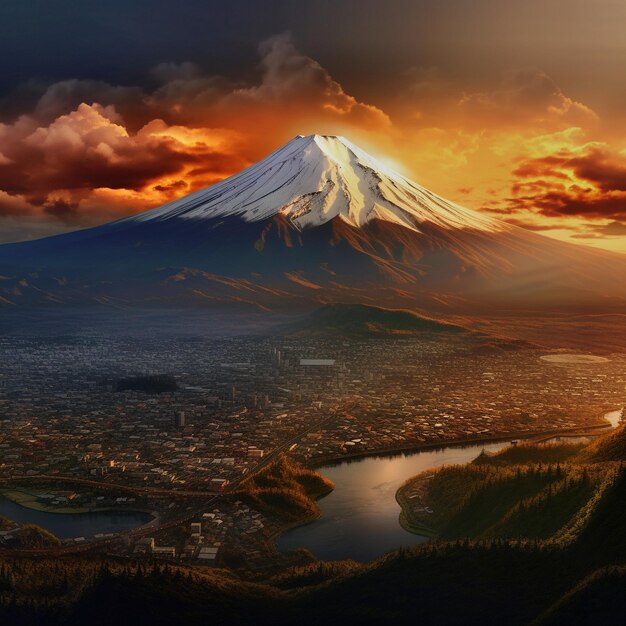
<point>70,525</point>
<point>360,518</point>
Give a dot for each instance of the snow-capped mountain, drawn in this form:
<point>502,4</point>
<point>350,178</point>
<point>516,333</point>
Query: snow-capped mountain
<point>317,221</point>
<point>312,180</point>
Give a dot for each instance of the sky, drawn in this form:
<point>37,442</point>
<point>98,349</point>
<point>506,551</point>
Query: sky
<point>514,108</point>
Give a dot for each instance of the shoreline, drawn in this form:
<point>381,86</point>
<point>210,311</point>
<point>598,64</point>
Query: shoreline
<point>593,430</point>
<point>309,519</point>
<point>460,442</point>
<point>287,526</point>
<point>8,494</point>
<point>404,520</point>
<point>408,523</point>
<point>412,526</point>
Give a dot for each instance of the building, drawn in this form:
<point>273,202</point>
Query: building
<point>317,362</point>
<point>179,419</point>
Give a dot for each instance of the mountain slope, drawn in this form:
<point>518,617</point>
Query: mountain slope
<point>312,180</point>
<point>317,221</point>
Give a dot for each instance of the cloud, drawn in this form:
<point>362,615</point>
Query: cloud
<point>53,170</point>
<point>612,229</point>
<point>525,96</point>
<point>90,147</point>
<point>177,185</point>
<point>604,233</point>
<point>291,89</point>
<point>64,96</point>
<point>290,78</point>
<point>607,171</point>
<point>88,151</point>
<point>589,181</point>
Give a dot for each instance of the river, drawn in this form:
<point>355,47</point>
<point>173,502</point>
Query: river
<point>359,518</point>
<point>71,525</point>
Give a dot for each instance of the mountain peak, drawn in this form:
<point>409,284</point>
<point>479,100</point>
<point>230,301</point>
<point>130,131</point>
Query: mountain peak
<point>318,136</point>
<point>315,178</point>
<point>382,239</point>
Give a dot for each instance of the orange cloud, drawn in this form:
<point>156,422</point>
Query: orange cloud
<point>53,169</point>
<point>128,150</point>
<point>589,182</point>
<point>572,191</point>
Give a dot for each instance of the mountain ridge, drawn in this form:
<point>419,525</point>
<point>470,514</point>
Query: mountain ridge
<point>361,320</point>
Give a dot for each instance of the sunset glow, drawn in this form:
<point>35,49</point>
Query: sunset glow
<point>312,312</point>
<point>523,141</point>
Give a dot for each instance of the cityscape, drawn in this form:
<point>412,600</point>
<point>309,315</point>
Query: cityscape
<point>72,440</point>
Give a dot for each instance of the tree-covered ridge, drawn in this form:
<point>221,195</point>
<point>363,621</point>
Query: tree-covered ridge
<point>529,491</point>
<point>286,490</point>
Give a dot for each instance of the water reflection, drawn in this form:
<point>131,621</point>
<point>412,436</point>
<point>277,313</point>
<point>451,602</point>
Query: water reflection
<point>360,516</point>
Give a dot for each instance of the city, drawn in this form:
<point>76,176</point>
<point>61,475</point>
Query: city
<point>74,439</point>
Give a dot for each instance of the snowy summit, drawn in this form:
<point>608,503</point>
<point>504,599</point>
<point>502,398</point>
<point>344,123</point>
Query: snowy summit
<point>317,221</point>
<point>316,178</point>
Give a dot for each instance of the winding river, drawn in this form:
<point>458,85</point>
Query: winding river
<point>359,518</point>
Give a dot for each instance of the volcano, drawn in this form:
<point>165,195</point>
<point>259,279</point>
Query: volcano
<point>317,221</point>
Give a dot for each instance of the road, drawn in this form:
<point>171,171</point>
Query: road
<point>209,498</point>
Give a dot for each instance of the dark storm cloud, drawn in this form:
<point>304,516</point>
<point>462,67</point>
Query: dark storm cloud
<point>84,149</point>
<point>574,203</point>
<point>62,210</point>
<point>365,43</point>
<point>177,185</point>
<point>606,171</point>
